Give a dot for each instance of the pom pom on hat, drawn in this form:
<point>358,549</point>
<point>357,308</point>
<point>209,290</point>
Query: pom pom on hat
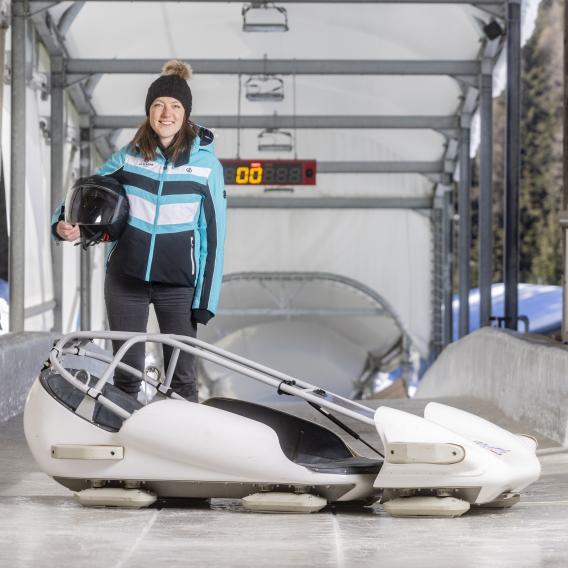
<point>177,67</point>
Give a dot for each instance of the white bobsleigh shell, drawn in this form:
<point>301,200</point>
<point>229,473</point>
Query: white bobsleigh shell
<point>516,452</point>
<point>213,442</point>
<point>481,468</point>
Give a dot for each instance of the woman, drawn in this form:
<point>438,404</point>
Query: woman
<point>171,251</point>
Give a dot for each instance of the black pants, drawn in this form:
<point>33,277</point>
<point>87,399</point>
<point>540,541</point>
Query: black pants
<point>127,302</point>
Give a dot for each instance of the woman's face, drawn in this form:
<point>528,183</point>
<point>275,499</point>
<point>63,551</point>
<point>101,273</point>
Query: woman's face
<point>166,118</point>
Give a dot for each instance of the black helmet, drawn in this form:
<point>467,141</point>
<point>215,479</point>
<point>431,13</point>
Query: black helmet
<point>98,204</point>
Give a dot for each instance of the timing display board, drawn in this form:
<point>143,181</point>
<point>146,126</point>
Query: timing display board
<point>269,172</point>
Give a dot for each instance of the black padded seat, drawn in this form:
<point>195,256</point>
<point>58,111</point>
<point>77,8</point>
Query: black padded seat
<point>70,397</point>
<point>303,442</point>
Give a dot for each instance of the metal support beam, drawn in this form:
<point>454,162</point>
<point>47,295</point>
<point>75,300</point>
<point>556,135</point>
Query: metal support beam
<point>486,194</point>
<point>4,240</point>
<point>442,270</point>
<point>512,164</point>
<point>442,296</point>
<point>346,2</point>
<point>76,68</point>
<point>380,167</point>
<point>464,231</point>
<point>57,169</point>
<point>18,169</point>
<point>290,202</point>
<point>424,168</point>
<point>564,213</point>
<point>68,17</point>
<point>447,267</point>
<point>437,319</point>
<point>443,123</point>
<point>91,84</point>
<point>78,93</point>
<point>85,136</point>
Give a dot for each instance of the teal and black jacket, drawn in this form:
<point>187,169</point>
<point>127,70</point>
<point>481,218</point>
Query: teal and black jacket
<point>176,227</point>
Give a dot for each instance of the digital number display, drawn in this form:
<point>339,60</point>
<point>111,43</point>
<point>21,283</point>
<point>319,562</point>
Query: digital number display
<point>269,172</point>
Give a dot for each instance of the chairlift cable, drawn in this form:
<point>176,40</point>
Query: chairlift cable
<point>294,111</point>
<point>239,118</point>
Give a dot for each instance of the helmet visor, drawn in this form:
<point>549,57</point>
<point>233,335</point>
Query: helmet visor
<point>91,205</point>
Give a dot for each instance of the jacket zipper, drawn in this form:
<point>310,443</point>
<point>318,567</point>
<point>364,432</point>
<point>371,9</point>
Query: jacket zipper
<point>153,240</point>
<point>192,258</point>
<point>111,253</point>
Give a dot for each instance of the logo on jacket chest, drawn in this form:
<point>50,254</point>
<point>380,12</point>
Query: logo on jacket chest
<point>197,171</point>
<point>148,165</point>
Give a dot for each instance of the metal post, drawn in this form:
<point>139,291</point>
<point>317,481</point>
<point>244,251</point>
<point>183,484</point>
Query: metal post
<point>57,141</point>
<point>442,282</point>
<point>464,231</point>
<point>512,164</point>
<point>85,170</point>
<point>565,183</point>
<point>18,168</point>
<point>437,275</point>
<point>486,193</point>
<point>447,268</point>
<point>4,241</point>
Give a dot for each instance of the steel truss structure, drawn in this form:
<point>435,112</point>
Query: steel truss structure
<point>79,77</point>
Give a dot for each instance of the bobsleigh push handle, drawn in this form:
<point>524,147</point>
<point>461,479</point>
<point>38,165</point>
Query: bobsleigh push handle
<point>282,382</point>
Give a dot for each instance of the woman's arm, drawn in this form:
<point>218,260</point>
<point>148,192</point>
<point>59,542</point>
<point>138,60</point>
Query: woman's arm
<point>212,238</point>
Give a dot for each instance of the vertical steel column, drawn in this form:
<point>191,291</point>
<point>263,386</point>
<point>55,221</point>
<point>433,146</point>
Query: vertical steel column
<point>4,240</point>
<point>512,164</point>
<point>464,231</point>
<point>18,169</point>
<point>85,134</point>
<point>442,296</point>
<point>57,148</point>
<point>564,213</point>
<point>486,193</point>
<point>447,259</point>
<point>436,216</point>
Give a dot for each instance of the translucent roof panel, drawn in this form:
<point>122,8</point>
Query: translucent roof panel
<point>386,31</point>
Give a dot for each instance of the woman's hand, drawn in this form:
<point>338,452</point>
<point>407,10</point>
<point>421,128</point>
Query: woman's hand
<point>67,231</point>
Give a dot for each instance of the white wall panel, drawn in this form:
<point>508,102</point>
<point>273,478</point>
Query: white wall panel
<point>386,250</point>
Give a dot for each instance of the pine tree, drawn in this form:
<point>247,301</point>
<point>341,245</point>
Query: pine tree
<point>541,157</point>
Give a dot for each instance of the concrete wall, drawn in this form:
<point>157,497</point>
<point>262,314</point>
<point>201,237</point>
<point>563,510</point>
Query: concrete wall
<point>525,375</point>
<point>21,359</point>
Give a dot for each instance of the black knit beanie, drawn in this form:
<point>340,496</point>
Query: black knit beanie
<point>172,83</point>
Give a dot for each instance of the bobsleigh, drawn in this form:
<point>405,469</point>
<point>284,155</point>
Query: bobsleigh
<point>112,450</point>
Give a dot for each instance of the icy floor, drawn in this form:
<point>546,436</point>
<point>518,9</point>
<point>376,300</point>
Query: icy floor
<point>42,526</point>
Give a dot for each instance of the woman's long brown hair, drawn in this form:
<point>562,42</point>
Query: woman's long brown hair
<point>146,141</point>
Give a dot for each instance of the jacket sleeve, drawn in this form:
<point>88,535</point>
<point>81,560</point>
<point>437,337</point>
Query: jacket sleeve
<point>211,227</point>
<point>112,166</point>
<point>58,215</point>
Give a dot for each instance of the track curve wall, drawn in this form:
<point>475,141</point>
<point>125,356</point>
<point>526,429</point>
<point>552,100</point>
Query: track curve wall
<point>525,375</point>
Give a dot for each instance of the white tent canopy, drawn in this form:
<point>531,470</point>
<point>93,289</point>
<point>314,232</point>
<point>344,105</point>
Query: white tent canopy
<point>392,250</point>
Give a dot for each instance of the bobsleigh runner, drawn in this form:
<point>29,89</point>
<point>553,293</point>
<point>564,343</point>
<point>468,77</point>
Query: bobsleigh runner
<point>112,450</point>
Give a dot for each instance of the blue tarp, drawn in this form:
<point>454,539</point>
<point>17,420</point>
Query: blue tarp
<point>541,304</point>
<point>4,290</point>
